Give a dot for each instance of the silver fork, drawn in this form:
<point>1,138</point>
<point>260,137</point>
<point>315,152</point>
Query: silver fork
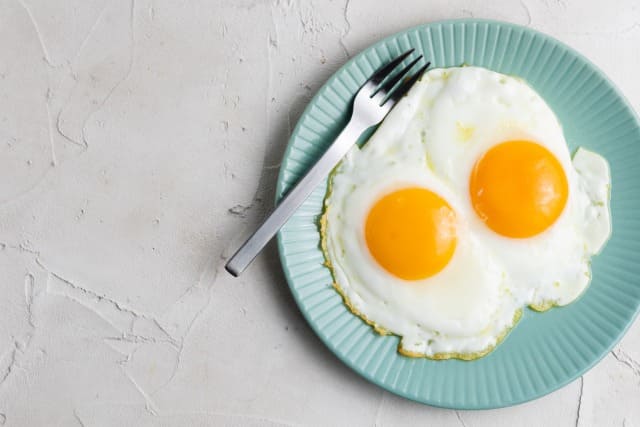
<point>372,103</point>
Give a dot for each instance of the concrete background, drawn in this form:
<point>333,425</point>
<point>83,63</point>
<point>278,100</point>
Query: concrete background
<point>139,140</point>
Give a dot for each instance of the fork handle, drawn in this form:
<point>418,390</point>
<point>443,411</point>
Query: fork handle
<point>294,198</point>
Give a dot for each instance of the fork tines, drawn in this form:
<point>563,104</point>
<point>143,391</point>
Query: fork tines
<point>385,80</point>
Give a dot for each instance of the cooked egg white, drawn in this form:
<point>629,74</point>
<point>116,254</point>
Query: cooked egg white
<point>462,208</point>
<point>550,267</point>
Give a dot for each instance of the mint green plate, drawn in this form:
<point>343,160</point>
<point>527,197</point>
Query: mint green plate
<point>545,350</point>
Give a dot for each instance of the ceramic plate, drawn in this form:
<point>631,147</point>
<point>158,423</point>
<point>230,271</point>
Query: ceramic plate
<point>545,350</point>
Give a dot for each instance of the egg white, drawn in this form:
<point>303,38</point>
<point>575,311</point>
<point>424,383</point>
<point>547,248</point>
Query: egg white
<point>432,139</point>
<point>551,268</point>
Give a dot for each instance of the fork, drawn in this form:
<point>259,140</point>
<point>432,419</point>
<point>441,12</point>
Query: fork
<point>373,101</point>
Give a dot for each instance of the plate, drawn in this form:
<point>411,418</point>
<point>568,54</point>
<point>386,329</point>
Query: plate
<point>545,350</point>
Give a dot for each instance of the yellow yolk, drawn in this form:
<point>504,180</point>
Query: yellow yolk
<point>411,233</point>
<point>518,188</point>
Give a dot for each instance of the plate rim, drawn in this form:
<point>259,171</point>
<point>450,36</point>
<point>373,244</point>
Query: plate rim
<point>280,189</point>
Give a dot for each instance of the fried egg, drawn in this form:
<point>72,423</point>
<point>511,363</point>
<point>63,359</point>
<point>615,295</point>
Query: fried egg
<point>464,207</point>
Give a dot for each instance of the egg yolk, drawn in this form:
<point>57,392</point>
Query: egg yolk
<point>518,188</point>
<point>411,233</point>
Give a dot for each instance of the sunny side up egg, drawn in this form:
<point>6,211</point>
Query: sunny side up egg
<point>462,208</point>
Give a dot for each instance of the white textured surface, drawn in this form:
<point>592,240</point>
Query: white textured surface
<point>138,140</point>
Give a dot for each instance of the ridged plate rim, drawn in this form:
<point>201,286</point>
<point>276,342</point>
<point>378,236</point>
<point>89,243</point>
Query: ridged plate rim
<point>447,399</point>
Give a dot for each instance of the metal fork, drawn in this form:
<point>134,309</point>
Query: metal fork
<point>372,103</point>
